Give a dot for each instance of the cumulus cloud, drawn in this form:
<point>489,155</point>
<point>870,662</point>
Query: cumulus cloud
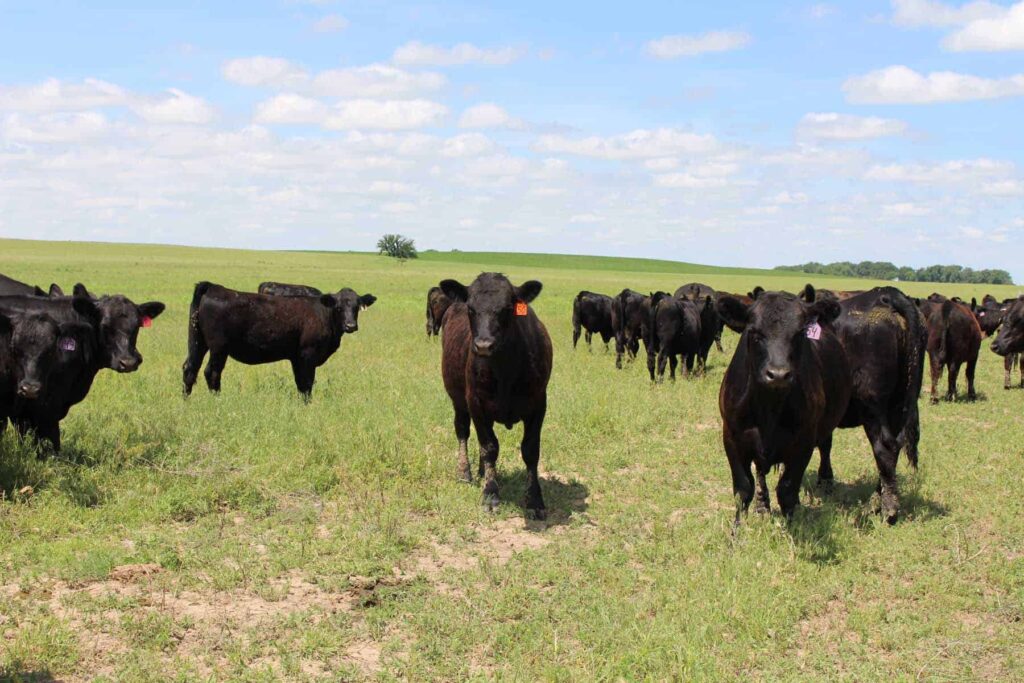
<point>996,33</point>
<point>56,95</point>
<point>902,85</point>
<point>264,71</point>
<point>53,128</point>
<point>638,144</point>
<point>290,108</point>
<point>416,53</point>
<point>489,115</point>
<point>331,23</point>
<point>959,172</point>
<point>932,13</point>
<point>672,47</point>
<point>833,126</point>
<point>176,107</point>
<point>385,114</point>
<point>371,80</point>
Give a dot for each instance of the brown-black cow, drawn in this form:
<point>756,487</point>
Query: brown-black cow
<point>1009,343</point>
<point>784,392</point>
<point>954,338</point>
<point>437,305</point>
<point>262,328</point>
<point>699,293</point>
<point>675,331</point>
<point>592,314</point>
<point>496,364</point>
<point>285,289</point>
<point>631,321</point>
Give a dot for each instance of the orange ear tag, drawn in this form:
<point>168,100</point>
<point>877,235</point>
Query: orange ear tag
<point>147,321</point>
<point>521,308</point>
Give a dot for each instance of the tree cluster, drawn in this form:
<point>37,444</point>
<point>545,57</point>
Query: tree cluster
<point>883,270</point>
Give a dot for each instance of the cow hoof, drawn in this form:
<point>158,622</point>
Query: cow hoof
<point>761,508</point>
<point>490,502</point>
<point>875,504</point>
<point>890,509</point>
<point>934,401</point>
<point>827,485</point>
<point>466,475</point>
<point>539,514</point>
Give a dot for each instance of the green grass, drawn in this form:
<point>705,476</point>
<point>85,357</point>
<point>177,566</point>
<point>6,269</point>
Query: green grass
<point>331,540</point>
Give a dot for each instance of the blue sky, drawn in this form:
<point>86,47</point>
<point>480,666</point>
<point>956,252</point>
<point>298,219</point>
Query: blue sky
<point>742,133</point>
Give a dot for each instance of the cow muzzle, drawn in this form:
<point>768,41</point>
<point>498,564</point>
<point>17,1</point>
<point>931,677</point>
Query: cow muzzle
<point>351,327</point>
<point>777,377</point>
<point>483,347</point>
<point>29,389</point>
<point>127,364</point>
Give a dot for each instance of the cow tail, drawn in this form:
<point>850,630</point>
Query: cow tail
<point>916,341</point>
<point>576,311</point>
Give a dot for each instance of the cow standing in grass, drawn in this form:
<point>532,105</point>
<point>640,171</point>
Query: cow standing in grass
<point>954,338</point>
<point>713,325</point>
<point>496,365</point>
<point>631,322</point>
<point>1010,341</point>
<point>592,312</point>
<point>437,306</point>
<point>285,289</point>
<point>675,331</point>
<point>261,328</point>
<point>784,392</point>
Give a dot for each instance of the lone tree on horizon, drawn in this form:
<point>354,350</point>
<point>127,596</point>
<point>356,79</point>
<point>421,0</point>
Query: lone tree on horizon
<point>397,246</point>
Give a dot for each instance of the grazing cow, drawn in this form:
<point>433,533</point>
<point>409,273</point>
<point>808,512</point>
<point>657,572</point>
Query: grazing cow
<point>1009,343</point>
<point>593,313</point>
<point>989,315</point>
<point>784,392</point>
<point>437,305</point>
<point>954,337</point>
<point>496,365</point>
<point>699,293</point>
<point>884,339</point>
<point>260,328</point>
<point>282,289</point>
<point>11,287</point>
<point>631,321</point>
<point>96,333</point>
<point>675,331</point>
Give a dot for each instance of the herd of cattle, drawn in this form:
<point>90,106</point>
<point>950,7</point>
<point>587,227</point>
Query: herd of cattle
<point>805,363</point>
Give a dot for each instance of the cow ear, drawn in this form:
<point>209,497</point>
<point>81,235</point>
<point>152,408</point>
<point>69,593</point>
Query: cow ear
<point>38,291</point>
<point>758,291</point>
<point>733,312</point>
<point>825,311</point>
<point>809,294</point>
<point>55,290</point>
<point>151,309</point>
<point>328,300</point>
<point>974,304</point>
<point>86,307</point>
<point>656,298</point>
<point>454,290</point>
<point>80,290</point>
<point>529,290</point>
<point>366,300</point>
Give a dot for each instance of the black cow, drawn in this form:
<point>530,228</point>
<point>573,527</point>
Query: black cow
<point>437,306</point>
<point>96,333</point>
<point>592,312</point>
<point>699,293</point>
<point>496,365</point>
<point>1009,343</point>
<point>261,328</point>
<point>11,287</point>
<point>784,392</point>
<point>989,314</point>
<point>631,321</point>
<point>884,339</point>
<point>675,331</point>
<point>954,338</point>
<point>282,289</point>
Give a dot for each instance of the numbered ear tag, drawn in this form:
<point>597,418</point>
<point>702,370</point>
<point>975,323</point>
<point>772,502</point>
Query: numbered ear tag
<point>521,308</point>
<point>813,331</point>
<point>147,321</point>
<point>66,344</point>
<point>982,314</point>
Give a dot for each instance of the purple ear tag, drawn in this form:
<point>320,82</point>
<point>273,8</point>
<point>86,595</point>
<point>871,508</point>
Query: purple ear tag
<point>66,344</point>
<point>813,331</point>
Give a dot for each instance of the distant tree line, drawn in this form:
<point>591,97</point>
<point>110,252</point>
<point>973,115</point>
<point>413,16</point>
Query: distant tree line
<point>883,270</point>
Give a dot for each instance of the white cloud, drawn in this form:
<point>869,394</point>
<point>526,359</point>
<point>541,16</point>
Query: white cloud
<point>832,126</point>
<point>489,115</point>
<point>290,108</point>
<point>787,197</point>
<point>53,128</point>
<point>1004,188</point>
<point>177,107</point>
<point>331,23</point>
<point>385,114</point>
<point>55,95</point>
<point>375,80</point>
<point>960,172</point>
<point>416,53</point>
<point>467,145</point>
<point>638,144</point>
<point>990,34</point>
<point>931,13</point>
<point>264,71</point>
<point>902,85</point>
<point>671,47</point>
<point>906,210</point>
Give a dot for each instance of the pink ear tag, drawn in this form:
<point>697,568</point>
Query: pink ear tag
<point>66,344</point>
<point>147,321</point>
<point>982,314</point>
<point>813,331</point>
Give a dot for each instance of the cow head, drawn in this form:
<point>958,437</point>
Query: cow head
<point>775,328</point>
<point>1011,335</point>
<point>345,306</point>
<point>491,302</point>
<point>38,345</point>
<point>117,320</point>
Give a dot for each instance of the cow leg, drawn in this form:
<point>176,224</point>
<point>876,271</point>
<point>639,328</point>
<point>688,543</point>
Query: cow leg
<point>305,375</point>
<point>787,491</point>
<point>886,451</point>
<point>742,481</point>
<point>589,337</point>
<point>1008,363</point>
<point>936,368</point>
<point>672,363</point>
<point>530,449</point>
<point>762,503</point>
<point>651,362</point>
<point>489,456</point>
<point>48,430</point>
<point>1020,357</point>
<point>969,372</point>
<point>214,368</point>
<point>662,360</point>
<point>575,334</point>
<point>826,477</point>
<point>462,434</point>
<point>194,360</point>
<point>954,372</point>
<point>689,360</point>
<point>718,339</point>
<point>620,347</point>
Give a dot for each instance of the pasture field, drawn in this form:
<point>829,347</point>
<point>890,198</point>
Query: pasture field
<point>250,537</point>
